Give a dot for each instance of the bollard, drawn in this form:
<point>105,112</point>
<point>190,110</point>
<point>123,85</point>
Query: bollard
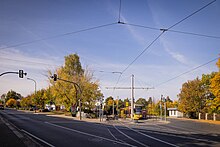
<point>214,116</point>
<point>199,116</point>
<point>206,116</point>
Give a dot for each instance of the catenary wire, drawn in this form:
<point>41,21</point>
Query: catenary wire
<point>187,71</point>
<point>163,31</point>
<point>57,36</point>
<point>191,14</point>
<point>135,59</point>
<point>119,13</point>
<point>173,31</point>
<point>195,34</point>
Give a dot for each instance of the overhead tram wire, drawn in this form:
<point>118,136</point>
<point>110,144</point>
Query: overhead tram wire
<point>195,34</point>
<point>191,14</point>
<point>163,31</point>
<point>187,71</point>
<point>119,12</point>
<point>57,36</point>
<point>173,31</point>
<point>135,59</point>
<point>182,32</point>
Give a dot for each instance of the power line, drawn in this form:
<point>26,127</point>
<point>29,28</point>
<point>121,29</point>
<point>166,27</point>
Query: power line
<point>195,34</point>
<point>163,31</point>
<point>187,72</point>
<point>191,14</point>
<point>144,50</point>
<point>141,26</point>
<point>60,35</point>
<point>173,31</point>
<point>119,14</point>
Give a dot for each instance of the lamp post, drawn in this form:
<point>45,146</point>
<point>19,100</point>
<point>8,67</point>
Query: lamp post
<point>35,88</point>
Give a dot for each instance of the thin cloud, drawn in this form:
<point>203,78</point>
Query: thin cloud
<point>175,55</point>
<point>15,58</point>
<point>141,40</point>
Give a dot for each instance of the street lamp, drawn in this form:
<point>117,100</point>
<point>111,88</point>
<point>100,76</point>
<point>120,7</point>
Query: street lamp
<point>35,88</point>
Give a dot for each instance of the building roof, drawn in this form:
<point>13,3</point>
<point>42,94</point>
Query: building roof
<point>172,109</point>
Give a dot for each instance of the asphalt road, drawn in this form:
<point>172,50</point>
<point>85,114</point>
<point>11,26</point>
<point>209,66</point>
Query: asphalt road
<point>56,131</point>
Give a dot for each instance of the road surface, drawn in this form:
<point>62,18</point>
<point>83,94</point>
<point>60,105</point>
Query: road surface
<point>56,131</point>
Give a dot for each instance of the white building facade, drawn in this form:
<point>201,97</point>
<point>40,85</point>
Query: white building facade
<point>173,112</point>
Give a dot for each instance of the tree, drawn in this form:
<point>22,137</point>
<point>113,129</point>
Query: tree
<point>150,101</point>
<point>65,92</point>
<point>190,98</point>
<point>12,94</point>
<point>215,89</point>
<point>109,105</point>
<point>120,104</point>
<point>27,102</point>
<point>142,101</point>
<point>11,103</point>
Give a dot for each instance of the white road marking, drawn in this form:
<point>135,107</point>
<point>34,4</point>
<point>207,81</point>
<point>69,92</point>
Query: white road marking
<point>38,138</point>
<point>130,137</point>
<point>114,136</point>
<point>92,135</point>
<point>18,134</point>
<point>150,136</point>
<point>178,136</point>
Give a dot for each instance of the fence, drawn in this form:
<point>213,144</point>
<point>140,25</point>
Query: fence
<point>206,116</point>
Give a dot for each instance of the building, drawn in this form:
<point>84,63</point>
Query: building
<point>173,112</point>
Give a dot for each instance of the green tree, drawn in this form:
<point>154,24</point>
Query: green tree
<point>120,104</point>
<point>150,100</point>
<point>27,102</point>
<point>190,98</point>
<point>66,94</point>
<point>109,105</point>
<point>142,101</point>
<point>40,99</point>
<point>12,94</point>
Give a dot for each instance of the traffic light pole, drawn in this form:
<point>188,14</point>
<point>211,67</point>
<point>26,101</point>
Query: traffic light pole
<point>4,73</point>
<point>75,86</point>
<point>35,91</point>
<point>20,72</point>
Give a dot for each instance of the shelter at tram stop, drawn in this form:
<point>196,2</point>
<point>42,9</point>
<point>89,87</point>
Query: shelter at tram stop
<point>174,112</point>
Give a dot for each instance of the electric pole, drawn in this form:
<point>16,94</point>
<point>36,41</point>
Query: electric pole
<point>132,96</point>
<point>132,93</point>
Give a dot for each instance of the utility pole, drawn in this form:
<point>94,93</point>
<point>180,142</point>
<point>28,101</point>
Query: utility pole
<point>113,108</point>
<point>132,93</point>
<point>165,111</point>
<point>35,91</point>
<point>132,96</point>
<point>117,105</point>
<point>161,107</point>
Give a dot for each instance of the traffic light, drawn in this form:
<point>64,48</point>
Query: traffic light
<point>21,73</point>
<point>55,77</point>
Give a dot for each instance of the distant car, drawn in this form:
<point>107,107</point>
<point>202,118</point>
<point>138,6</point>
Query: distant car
<point>1,107</point>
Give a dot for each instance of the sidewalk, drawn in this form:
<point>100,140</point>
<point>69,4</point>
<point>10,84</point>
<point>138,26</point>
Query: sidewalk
<point>8,137</point>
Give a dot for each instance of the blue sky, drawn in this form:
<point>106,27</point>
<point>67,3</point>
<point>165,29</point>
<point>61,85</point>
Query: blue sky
<point>111,48</point>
